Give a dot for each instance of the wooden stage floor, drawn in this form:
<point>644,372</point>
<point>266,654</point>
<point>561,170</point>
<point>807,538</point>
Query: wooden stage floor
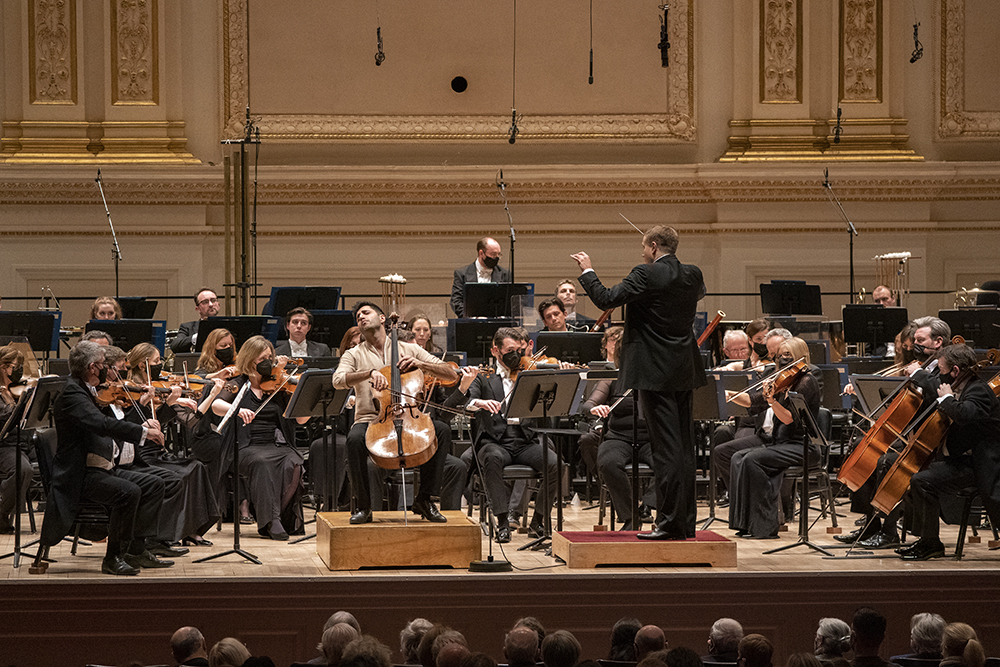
<point>278,608</point>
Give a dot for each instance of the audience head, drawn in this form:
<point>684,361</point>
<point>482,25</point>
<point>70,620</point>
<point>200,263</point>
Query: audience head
<point>833,637</point>
<point>960,640</point>
<point>724,637</point>
<point>409,639</point>
<point>335,638</point>
<point>755,651</point>
<point>425,649</point>
<point>188,642</point>
<point>649,638</point>
<point>654,659</point>
<point>452,654</point>
<point>99,337</point>
<point>445,639</point>
<point>478,659</point>
<point>682,656</point>
<point>520,646</point>
<point>803,660</point>
<point>228,652</point>
<point>867,631</point>
<point>560,649</point>
<point>623,639</point>
<point>342,617</point>
<point>926,631</point>
<point>534,624</point>
<point>366,651</point>
<point>258,661</point>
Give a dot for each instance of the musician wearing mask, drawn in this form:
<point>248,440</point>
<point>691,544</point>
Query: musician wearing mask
<point>206,303</point>
<point>299,323</point>
<point>215,362</point>
<point>970,456</point>
<point>930,335</point>
<point>268,457</point>
<point>11,370</point>
<point>499,441</point>
<point>359,368</point>
<point>485,269</point>
<point>756,475</point>
<point>756,332</point>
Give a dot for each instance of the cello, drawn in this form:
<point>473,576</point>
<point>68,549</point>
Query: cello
<point>401,436</point>
<point>920,448</point>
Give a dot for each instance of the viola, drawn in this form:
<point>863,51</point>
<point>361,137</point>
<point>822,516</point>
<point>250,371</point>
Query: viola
<point>401,436</point>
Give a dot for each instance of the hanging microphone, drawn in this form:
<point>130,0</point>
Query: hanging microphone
<point>98,179</point>
<point>591,80</point>
<point>826,179</point>
<point>918,48</point>
<point>513,126</point>
<point>501,185</point>
<point>664,44</point>
<point>380,56</point>
<point>838,129</point>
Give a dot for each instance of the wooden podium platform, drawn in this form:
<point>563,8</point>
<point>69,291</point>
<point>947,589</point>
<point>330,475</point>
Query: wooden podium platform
<point>592,549</point>
<point>387,542</point>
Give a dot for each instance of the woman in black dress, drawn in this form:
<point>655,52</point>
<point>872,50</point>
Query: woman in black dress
<point>268,457</point>
<point>11,368</point>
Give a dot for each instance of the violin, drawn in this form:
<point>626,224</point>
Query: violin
<point>780,380</point>
<point>113,392</point>
<point>401,436</point>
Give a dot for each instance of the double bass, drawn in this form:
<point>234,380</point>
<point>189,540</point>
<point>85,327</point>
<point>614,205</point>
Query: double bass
<point>402,436</point>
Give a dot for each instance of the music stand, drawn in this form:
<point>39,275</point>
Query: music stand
<point>283,299</point>
<point>40,327</point>
<point>872,324</point>
<point>242,328</point>
<point>790,297</point>
<point>475,337</point>
<point>315,396</point>
<point>129,333</point>
<point>706,407</point>
<point>571,346</point>
<point>329,326</point>
<point>493,299</point>
<point>872,390</point>
<point>543,394</point>
<point>977,325</point>
<point>137,308</point>
<point>802,415</point>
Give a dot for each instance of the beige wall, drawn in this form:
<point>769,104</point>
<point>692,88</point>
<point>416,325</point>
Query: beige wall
<point>366,171</point>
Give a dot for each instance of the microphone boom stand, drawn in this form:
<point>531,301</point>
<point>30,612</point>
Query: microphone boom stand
<point>115,250</point>
<point>851,230</point>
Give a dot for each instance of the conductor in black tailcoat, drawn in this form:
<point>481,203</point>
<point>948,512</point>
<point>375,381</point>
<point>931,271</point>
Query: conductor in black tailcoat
<point>485,269</point>
<point>660,360</point>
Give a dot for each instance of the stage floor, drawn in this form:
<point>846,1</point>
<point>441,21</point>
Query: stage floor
<point>281,559</point>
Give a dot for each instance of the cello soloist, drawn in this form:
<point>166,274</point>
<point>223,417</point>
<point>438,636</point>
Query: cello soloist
<point>359,368</point>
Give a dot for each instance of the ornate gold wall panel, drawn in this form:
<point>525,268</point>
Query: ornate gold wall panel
<point>955,121</point>
<point>134,54</point>
<point>52,57</point>
<point>780,51</point>
<point>676,124</point>
<point>861,51</point>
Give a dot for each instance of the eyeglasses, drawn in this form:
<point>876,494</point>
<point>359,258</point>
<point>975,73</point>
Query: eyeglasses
<point>205,302</point>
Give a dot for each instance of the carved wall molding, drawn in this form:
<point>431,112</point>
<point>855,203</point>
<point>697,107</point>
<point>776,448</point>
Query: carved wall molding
<point>955,122</point>
<point>134,55</point>
<point>780,51</point>
<point>52,59</point>
<point>861,50</point>
<point>674,126</point>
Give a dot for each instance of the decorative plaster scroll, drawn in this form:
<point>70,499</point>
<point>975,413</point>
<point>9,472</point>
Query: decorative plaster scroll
<point>861,50</point>
<point>134,52</point>
<point>781,51</point>
<point>676,125</point>
<point>52,51</point>
<point>954,120</point>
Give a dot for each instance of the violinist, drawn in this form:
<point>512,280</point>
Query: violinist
<point>190,503</point>
<point>971,455</point>
<point>215,362</point>
<point>11,370</point>
<point>359,368</point>
<point>499,441</point>
<point>298,322</point>
<point>268,457</point>
<point>217,355</point>
<point>757,472</point>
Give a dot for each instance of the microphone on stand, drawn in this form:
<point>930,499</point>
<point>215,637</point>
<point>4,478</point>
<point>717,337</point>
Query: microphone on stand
<point>838,130</point>
<point>501,185</point>
<point>513,126</point>
<point>98,179</point>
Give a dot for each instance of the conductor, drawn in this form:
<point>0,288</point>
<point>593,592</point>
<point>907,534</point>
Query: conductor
<point>660,360</point>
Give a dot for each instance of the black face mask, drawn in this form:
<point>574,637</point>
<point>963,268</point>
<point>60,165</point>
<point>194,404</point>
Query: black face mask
<point>264,369</point>
<point>16,375</point>
<point>760,349</point>
<point>225,355</point>
<point>102,375</point>
<point>920,352</point>
<point>491,262</point>
<point>512,360</point>
<point>154,372</point>
<point>785,360</point>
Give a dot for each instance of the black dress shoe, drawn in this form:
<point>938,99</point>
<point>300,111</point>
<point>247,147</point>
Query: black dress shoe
<point>160,549</point>
<point>924,550</point>
<point>536,529</point>
<point>879,541</point>
<point>849,538</point>
<point>645,512</point>
<point>196,541</point>
<point>281,536</point>
<point>503,534</point>
<point>428,510</point>
<point>361,516</point>
<point>657,534</point>
<point>147,560</point>
<point>115,565</point>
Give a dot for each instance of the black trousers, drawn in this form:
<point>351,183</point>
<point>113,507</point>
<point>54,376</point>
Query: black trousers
<point>670,423</point>
<point>927,486</point>
<point>726,441</point>
<point>493,457</point>
<point>614,460</point>
<point>133,499</point>
<point>431,472</point>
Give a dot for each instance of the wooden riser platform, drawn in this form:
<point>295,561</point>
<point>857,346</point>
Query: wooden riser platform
<point>388,542</point>
<point>593,549</point>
